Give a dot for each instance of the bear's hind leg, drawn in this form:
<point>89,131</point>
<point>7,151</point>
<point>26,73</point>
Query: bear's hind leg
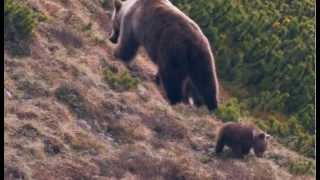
<point>172,83</point>
<point>204,82</point>
<point>191,94</point>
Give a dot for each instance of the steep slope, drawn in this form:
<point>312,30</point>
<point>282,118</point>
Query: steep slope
<point>64,119</point>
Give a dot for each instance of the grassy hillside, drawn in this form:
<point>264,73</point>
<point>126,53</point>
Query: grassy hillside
<point>72,111</point>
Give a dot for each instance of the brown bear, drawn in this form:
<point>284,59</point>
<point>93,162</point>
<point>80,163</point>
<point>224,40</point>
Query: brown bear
<point>240,138</point>
<point>173,41</point>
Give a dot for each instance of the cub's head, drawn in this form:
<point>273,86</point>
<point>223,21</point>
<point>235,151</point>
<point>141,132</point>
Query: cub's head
<point>115,19</point>
<point>260,143</point>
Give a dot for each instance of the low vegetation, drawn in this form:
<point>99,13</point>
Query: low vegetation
<point>301,167</point>
<point>120,80</point>
<point>19,23</point>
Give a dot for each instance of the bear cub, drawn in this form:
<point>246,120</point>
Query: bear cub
<point>241,138</point>
<point>174,42</point>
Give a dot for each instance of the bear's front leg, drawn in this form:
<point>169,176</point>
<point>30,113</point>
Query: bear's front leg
<point>127,47</point>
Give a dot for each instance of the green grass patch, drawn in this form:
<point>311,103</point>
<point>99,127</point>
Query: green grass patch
<point>301,167</point>
<point>120,81</point>
<point>19,23</point>
<point>289,133</point>
<point>232,110</point>
<point>87,27</point>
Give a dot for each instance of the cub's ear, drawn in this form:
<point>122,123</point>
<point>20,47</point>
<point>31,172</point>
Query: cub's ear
<point>117,4</point>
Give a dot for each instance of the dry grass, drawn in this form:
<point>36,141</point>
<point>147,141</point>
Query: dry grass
<point>67,37</point>
<point>74,100</point>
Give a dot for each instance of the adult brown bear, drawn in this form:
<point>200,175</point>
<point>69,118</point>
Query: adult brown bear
<point>173,41</point>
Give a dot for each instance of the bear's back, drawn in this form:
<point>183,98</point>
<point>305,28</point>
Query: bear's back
<point>165,12</point>
<point>236,133</point>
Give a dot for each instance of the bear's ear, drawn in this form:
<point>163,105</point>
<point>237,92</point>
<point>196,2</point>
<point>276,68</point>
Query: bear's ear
<point>117,4</point>
<point>261,136</point>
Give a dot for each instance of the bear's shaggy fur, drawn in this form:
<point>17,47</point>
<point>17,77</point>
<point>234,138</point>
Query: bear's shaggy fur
<point>240,138</point>
<point>173,41</point>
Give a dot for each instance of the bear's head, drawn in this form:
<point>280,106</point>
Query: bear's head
<point>260,143</point>
<point>115,19</point>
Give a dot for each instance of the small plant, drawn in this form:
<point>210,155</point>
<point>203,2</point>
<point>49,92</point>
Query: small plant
<point>120,80</point>
<point>99,40</point>
<point>87,27</point>
<point>18,21</point>
<point>301,167</point>
<point>205,159</point>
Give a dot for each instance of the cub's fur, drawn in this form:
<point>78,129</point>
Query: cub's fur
<point>241,138</point>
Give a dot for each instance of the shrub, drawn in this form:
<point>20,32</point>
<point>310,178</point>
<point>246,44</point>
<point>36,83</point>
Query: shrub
<point>290,133</point>
<point>230,111</point>
<point>18,21</point>
<point>87,27</point>
<point>120,80</point>
<point>301,167</point>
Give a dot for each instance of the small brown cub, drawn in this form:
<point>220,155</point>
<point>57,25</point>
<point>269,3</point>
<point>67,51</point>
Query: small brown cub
<point>240,138</point>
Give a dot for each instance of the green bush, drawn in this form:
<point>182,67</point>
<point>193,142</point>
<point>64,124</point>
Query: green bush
<point>301,167</point>
<point>290,133</point>
<point>87,27</point>
<point>120,80</point>
<point>18,21</point>
<point>230,111</point>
